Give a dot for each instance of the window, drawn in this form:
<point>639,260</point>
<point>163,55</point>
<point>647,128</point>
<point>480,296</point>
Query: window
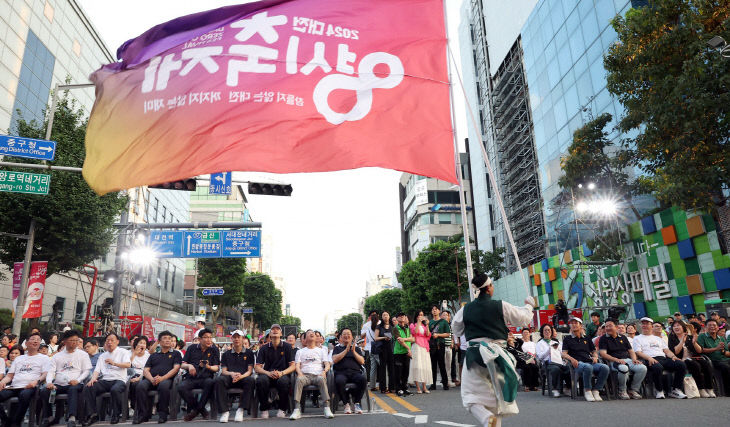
<point>174,272</point>
<point>79,312</point>
<point>59,306</point>
<point>491,218</point>
<point>444,218</point>
<point>443,197</point>
<point>167,273</point>
<point>34,83</point>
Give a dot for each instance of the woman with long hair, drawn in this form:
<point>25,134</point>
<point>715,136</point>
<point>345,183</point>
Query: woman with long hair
<point>53,344</point>
<point>372,347</point>
<point>420,369</point>
<point>384,337</point>
<point>683,343</point>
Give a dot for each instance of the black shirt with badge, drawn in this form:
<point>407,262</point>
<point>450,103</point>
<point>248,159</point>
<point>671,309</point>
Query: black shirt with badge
<point>237,362</point>
<point>162,363</point>
<point>275,358</point>
<point>579,349</point>
<point>195,354</point>
<point>615,347</point>
<point>347,364</point>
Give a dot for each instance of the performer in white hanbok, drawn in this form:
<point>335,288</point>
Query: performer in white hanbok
<point>489,380</point>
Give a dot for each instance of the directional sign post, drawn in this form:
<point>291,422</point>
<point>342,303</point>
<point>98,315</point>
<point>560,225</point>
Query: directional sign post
<point>24,182</point>
<point>241,244</point>
<point>29,148</point>
<point>247,311</point>
<point>202,244</point>
<point>211,292</point>
<point>167,244</point>
<point>220,183</point>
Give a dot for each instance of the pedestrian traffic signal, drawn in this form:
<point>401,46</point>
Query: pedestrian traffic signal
<point>269,189</point>
<point>184,185</point>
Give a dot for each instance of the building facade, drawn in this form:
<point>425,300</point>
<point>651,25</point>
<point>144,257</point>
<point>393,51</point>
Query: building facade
<point>430,210</point>
<point>533,80</point>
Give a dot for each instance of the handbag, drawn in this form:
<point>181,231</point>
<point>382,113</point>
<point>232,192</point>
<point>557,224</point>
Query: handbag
<point>690,387</point>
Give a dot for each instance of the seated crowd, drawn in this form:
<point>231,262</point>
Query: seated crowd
<point>643,354</point>
<point>200,375</point>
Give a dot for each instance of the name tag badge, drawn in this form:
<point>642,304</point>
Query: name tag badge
<point>244,357</point>
<point>169,356</point>
<point>282,353</point>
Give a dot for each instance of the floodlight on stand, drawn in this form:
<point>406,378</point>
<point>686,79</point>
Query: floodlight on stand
<point>591,186</point>
<point>717,42</point>
<point>581,207</point>
<point>142,255</point>
<point>110,276</point>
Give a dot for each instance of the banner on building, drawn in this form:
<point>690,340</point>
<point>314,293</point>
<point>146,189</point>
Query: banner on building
<point>17,278</point>
<point>36,288</point>
<point>276,86</point>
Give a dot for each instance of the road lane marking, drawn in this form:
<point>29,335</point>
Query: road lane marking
<point>449,423</point>
<point>384,406</point>
<point>403,403</point>
<point>421,419</point>
<point>398,414</point>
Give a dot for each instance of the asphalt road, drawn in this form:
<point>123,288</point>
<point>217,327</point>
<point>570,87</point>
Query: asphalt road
<point>443,408</point>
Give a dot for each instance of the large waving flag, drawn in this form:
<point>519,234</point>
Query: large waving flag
<point>276,86</point>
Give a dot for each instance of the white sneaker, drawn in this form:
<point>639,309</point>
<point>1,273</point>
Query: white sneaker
<point>358,409</point>
<point>704,394</point>
<point>677,394</point>
<point>347,408</point>
<point>597,396</point>
<point>265,414</point>
<point>635,395</point>
<point>239,415</point>
<point>556,393</point>
<point>224,417</point>
<point>623,395</point>
<point>296,414</point>
<point>280,414</point>
<point>588,394</point>
<point>328,412</point>
<point>660,395</point>
<point>711,392</point>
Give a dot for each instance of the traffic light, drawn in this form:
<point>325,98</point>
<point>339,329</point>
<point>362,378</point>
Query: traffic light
<point>269,189</point>
<point>184,185</point>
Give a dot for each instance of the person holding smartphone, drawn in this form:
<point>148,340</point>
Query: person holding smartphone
<point>201,362</point>
<point>420,368</point>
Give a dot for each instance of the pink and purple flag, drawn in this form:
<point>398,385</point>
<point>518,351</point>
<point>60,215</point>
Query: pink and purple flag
<point>276,86</point>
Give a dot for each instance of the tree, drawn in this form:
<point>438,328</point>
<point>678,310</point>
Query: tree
<point>353,321</point>
<point>74,226</point>
<point>676,93</point>
<point>291,320</point>
<point>389,300</point>
<point>226,273</point>
<point>592,157</point>
<point>432,277</point>
<point>263,297</point>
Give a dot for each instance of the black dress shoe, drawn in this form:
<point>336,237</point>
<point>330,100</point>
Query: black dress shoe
<point>204,414</point>
<point>191,415</point>
<point>432,387</point>
<point>136,421</point>
<point>162,419</point>
<point>446,387</point>
<point>91,420</point>
<point>114,420</point>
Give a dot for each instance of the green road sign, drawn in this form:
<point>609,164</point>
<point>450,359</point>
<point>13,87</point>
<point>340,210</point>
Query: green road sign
<point>209,237</point>
<point>24,182</point>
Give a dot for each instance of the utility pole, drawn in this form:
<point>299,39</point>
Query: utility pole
<point>119,264</point>
<point>24,280</point>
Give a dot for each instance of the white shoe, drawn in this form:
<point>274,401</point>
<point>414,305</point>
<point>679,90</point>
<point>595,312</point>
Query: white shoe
<point>358,409</point>
<point>556,393</point>
<point>711,392</point>
<point>704,394</point>
<point>265,414</point>
<point>239,415</point>
<point>328,412</point>
<point>597,396</point>
<point>296,414</point>
<point>280,414</point>
<point>347,408</point>
<point>623,395</point>
<point>677,394</point>
<point>588,394</point>
<point>635,395</point>
<point>660,395</point>
<point>224,417</point>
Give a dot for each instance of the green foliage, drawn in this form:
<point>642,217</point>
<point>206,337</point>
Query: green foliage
<point>592,157</point>
<point>226,273</point>
<point>6,319</point>
<point>390,300</point>
<point>676,92</point>
<point>291,320</point>
<point>353,321</point>
<point>263,297</point>
<point>608,245</point>
<point>432,277</point>
<point>73,224</point>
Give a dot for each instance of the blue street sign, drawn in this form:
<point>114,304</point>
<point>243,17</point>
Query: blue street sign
<point>241,244</point>
<point>210,292</point>
<point>247,311</point>
<point>167,244</point>
<point>202,244</point>
<point>220,183</point>
<point>27,147</point>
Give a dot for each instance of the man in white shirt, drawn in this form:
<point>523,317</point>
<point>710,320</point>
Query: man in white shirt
<point>26,372</point>
<point>657,357</point>
<point>69,368</point>
<point>368,333</point>
<point>112,368</point>
<point>312,365</point>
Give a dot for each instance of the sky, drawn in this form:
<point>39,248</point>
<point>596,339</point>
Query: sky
<point>339,228</point>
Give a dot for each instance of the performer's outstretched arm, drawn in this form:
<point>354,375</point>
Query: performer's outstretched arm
<point>518,316</point>
<point>457,325</point>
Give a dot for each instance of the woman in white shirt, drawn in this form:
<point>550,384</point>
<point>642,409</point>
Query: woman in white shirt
<point>53,344</point>
<point>139,359</point>
<point>549,351</point>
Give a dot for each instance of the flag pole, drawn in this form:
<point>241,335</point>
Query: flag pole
<point>457,162</point>
<point>493,180</point>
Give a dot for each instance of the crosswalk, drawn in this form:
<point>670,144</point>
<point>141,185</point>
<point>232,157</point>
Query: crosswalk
<point>389,402</point>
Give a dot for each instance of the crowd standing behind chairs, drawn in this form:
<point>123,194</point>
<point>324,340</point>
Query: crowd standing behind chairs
<point>73,377</point>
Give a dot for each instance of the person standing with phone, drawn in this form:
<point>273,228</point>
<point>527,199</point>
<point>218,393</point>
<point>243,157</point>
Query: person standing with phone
<point>420,369</point>
<point>201,362</point>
